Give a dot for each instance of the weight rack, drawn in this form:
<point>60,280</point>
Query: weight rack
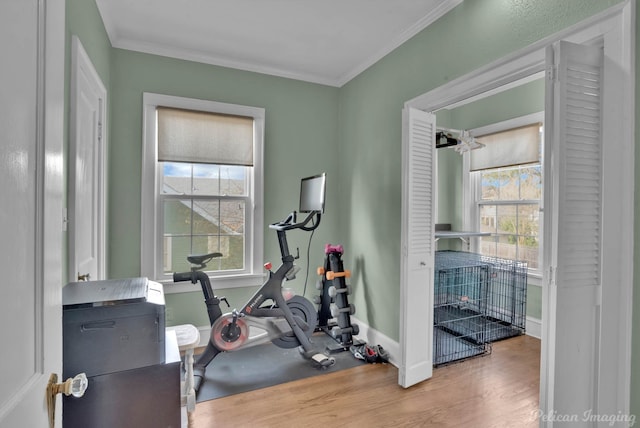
<point>334,309</point>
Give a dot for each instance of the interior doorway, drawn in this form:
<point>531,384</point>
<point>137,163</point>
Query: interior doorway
<point>612,31</point>
<point>87,169</point>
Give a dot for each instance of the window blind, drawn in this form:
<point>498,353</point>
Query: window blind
<point>516,146</point>
<point>203,137</point>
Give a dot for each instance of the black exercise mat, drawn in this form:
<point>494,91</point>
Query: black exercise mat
<point>266,365</point>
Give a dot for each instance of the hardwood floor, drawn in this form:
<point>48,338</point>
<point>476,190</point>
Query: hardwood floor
<point>497,390</point>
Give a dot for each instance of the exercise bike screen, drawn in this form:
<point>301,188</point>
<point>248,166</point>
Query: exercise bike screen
<point>312,190</point>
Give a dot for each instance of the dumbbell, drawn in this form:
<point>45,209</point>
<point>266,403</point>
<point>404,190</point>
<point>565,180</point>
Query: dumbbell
<point>335,310</point>
<point>337,331</point>
<point>331,274</point>
<point>333,291</point>
<point>319,284</point>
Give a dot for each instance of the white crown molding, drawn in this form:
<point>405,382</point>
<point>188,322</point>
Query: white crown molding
<point>393,44</point>
<point>197,56</point>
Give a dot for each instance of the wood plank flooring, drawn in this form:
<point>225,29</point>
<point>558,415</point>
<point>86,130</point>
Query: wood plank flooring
<point>497,390</point>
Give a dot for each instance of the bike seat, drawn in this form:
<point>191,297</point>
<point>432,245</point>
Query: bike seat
<point>201,259</point>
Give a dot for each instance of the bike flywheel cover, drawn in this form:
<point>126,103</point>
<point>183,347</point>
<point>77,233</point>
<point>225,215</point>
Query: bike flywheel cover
<point>227,336</point>
<point>303,309</point>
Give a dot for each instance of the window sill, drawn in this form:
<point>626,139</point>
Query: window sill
<point>218,283</point>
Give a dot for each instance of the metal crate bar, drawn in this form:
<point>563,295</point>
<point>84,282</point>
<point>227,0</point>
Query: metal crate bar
<point>477,300</point>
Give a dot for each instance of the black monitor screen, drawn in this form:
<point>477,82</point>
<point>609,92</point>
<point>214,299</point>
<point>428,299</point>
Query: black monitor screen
<point>312,191</point>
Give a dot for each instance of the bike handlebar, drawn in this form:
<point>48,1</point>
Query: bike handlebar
<point>290,223</point>
<point>182,276</point>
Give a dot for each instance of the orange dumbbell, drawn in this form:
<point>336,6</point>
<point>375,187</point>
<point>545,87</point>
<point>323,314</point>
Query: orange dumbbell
<point>331,274</point>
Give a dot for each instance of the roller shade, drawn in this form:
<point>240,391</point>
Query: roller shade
<point>516,146</point>
<point>203,137</point>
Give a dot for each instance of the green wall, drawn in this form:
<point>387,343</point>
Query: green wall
<point>370,118</point>
<point>370,135</point>
<point>301,137</point>
<point>353,133</point>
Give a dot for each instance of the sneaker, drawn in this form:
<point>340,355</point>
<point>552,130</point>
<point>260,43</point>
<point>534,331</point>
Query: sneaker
<point>370,354</point>
<point>357,351</point>
<point>383,355</point>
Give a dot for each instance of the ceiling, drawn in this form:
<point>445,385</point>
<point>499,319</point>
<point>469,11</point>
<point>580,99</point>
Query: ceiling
<point>327,41</point>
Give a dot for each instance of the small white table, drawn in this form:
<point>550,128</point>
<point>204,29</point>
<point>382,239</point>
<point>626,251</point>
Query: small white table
<point>188,338</point>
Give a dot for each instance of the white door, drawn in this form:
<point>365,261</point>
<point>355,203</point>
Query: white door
<point>31,189</point>
<point>594,305</point>
<point>573,229</point>
<point>418,194</point>
<point>86,169</point>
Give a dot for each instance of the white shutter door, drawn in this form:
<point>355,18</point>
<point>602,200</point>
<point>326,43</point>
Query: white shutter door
<point>573,256</point>
<point>416,312</point>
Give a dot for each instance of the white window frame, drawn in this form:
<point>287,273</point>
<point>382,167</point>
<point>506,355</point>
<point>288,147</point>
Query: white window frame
<point>471,186</point>
<point>151,211</point>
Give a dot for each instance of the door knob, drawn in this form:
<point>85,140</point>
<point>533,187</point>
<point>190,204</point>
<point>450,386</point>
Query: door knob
<point>75,386</point>
<point>84,277</point>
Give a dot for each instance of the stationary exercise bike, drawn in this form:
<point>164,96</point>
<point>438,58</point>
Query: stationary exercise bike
<point>287,322</point>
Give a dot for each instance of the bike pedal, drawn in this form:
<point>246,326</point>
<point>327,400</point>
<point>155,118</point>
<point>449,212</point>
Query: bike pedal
<point>322,361</point>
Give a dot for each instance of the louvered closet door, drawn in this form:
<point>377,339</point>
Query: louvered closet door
<point>416,312</point>
<point>573,201</point>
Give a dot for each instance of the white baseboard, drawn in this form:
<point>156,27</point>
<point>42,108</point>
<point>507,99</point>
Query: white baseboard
<point>367,334</point>
<point>534,327</point>
<point>374,337</point>
<point>205,332</point>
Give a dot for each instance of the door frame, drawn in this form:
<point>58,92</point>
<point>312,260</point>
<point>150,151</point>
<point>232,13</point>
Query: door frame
<point>528,64</point>
<point>81,65</point>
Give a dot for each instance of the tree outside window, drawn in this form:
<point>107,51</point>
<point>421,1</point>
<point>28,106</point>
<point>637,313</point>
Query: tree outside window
<point>510,211</point>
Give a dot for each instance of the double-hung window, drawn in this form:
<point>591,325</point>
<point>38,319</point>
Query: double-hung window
<point>505,178</point>
<point>202,188</point>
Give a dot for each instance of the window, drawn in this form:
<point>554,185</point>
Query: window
<point>506,192</point>
<point>202,188</point>
<point>509,209</point>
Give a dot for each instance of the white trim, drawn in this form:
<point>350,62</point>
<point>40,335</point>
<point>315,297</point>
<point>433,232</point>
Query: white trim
<point>204,58</point>
<point>150,218</point>
<point>516,122</point>
<point>198,56</point>
<point>80,62</point>
<point>528,61</point>
<point>374,337</point>
<point>505,87</point>
<point>205,333</point>
<point>469,217</point>
<point>442,9</point>
<point>533,327</point>
<point>518,67</point>
<point>221,282</point>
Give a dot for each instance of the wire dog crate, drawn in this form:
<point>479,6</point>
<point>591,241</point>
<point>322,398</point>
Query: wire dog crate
<point>477,300</point>
<point>460,301</point>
